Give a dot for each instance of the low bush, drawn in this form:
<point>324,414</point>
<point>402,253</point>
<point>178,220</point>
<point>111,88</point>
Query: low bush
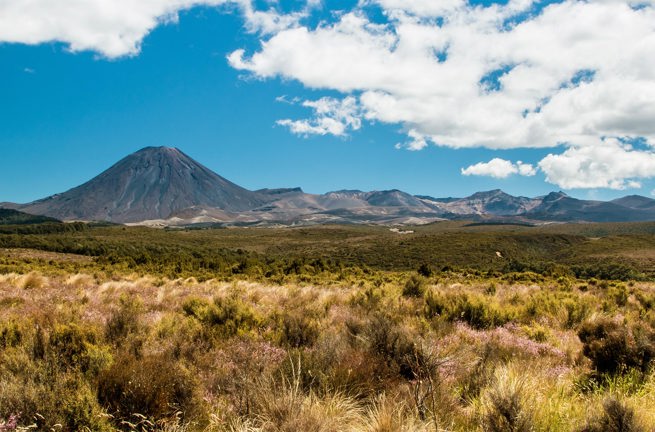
<point>425,270</point>
<point>414,286</point>
<point>227,316</point>
<point>614,347</point>
<point>154,386</point>
<point>298,330</point>
<point>479,313</point>
<point>72,346</point>
<point>125,320</point>
<point>575,312</point>
<point>396,352</point>
<point>616,417</point>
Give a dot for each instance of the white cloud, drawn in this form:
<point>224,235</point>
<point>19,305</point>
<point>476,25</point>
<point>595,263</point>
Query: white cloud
<point>499,168</point>
<point>520,75</point>
<point>269,21</point>
<point>424,8</point>
<point>573,74</point>
<point>417,141</point>
<point>526,169</point>
<point>331,117</point>
<point>113,28</point>
<point>608,164</point>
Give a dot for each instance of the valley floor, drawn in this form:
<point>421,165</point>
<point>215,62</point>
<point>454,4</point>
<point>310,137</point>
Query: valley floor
<point>368,351</point>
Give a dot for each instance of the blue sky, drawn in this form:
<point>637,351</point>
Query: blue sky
<point>68,113</point>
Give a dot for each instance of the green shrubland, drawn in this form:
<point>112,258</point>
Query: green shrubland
<point>203,331</point>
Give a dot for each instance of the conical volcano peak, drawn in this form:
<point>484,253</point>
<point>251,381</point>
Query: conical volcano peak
<point>159,153</point>
<point>161,150</point>
<point>152,183</point>
<point>164,157</point>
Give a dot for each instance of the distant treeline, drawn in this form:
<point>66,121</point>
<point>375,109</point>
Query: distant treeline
<point>43,228</point>
<point>307,252</point>
<point>15,217</point>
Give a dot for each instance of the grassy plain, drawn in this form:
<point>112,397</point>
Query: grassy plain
<point>334,328</point>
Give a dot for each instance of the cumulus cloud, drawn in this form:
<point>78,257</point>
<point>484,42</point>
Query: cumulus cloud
<point>608,164</point>
<point>269,21</point>
<point>424,8</point>
<point>331,117</point>
<point>519,75</point>
<point>416,142</point>
<point>571,74</point>
<point>526,169</point>
<point>114,28</point>
<point>499,168</point>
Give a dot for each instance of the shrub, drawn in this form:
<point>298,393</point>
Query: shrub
<point>424,270</point>
<point>575,312</point>
<point>616,417</point>
<point>414,286</point>
<point>298,330</point>
<point>47,397</point>
<point>10,335</point>
<point>70,345</point>
<point>368,298</point>
<point>620,295</point>
<point>80,408</point>
<point>490,290</point>
<point>479,313</point>
<point>125,320</point>
<point>386,341</point>
<point>227,316</point>
<point>613,347</point>
<point>153,386</point>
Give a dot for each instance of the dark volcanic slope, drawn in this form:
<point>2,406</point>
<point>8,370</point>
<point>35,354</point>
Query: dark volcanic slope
<point>150,184</point>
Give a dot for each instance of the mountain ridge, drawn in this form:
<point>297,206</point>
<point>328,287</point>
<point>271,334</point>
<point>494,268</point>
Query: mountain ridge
<point>164,186</point>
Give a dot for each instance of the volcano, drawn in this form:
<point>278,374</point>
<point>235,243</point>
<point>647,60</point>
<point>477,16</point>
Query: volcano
<point>152,183</point>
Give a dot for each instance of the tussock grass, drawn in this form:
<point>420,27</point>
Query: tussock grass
<point>147,353</point>
<point>31,280</point>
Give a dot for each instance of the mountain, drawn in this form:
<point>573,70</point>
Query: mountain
<point>346,206</point>
<point>153,183</point>
<point>494,202</point>
<point>636,202</point>
<point>161,186</point>
<point>557,206</point>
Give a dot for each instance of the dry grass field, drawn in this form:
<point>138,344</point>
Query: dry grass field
<point>449,328</point>
<point>388,351</point>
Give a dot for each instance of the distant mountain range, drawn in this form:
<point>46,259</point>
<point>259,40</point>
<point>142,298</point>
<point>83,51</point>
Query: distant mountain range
<point>162,186</point>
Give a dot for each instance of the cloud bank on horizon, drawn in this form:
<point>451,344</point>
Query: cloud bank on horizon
<point>573,76</point>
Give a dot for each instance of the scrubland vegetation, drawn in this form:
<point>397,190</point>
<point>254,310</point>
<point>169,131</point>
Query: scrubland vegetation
<point>148,330</point>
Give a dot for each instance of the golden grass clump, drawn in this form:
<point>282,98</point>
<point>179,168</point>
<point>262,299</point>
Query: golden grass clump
<point>32,280</point>
<point>80,281</point>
